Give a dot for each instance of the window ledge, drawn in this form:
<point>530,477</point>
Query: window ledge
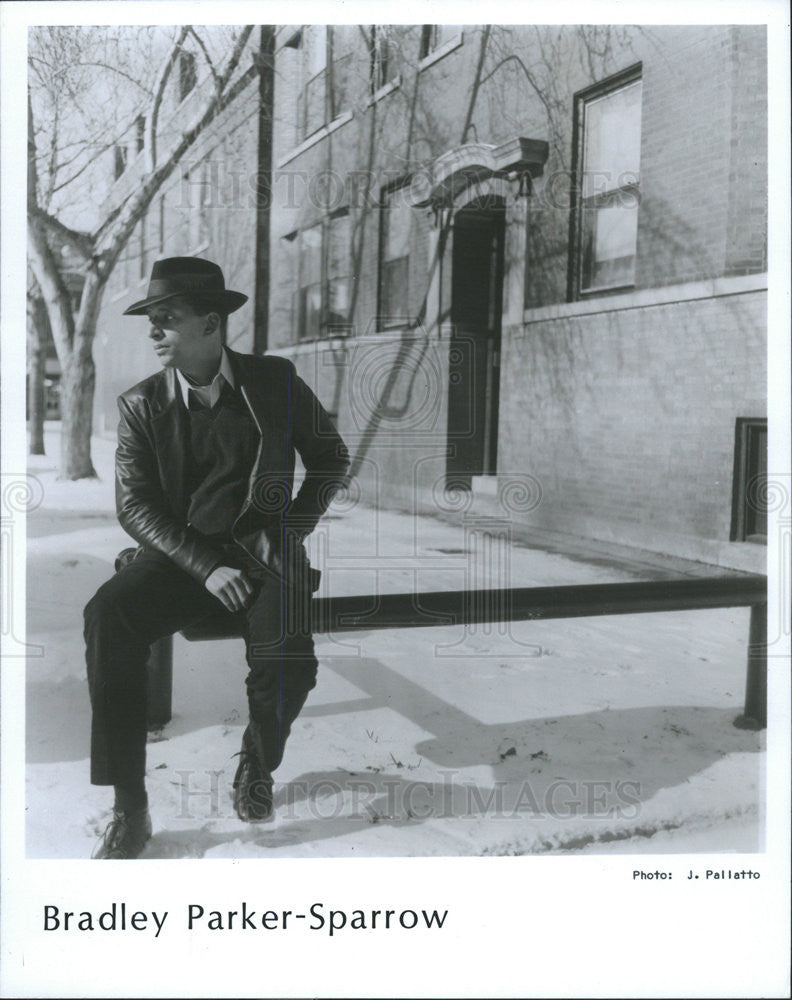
<point>647,297</point>
<point>384,90</point>
<point>317,136</point>
<point>437,54</point>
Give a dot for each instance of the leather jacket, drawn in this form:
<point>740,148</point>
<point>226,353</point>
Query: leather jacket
<point>150,500</point>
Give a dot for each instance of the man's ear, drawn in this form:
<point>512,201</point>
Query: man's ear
<point>212,322</point>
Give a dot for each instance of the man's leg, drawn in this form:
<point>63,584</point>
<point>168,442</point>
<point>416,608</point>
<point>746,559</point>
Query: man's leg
<point>283,666</point>
<point>146,600</point>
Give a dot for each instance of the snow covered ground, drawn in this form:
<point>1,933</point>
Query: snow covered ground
<point>597,735</point>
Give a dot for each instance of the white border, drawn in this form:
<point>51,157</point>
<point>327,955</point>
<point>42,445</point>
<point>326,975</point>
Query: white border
<point>525,926</point>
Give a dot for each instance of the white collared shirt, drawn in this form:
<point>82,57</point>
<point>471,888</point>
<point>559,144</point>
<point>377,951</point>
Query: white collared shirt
<point>208,395</point>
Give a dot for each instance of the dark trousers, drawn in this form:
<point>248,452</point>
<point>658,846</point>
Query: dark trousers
<point>150,598</point>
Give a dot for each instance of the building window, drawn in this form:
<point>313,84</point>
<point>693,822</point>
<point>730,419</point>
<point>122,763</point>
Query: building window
<point>341,60</point>
<point>326,72</point>
<point>322,262</point>
<point>308,309</point>
<point>339,284</point>
<point>128,269</point>
<point>294,40</point>
<point>119,161</point>
<point>608,155</point>
<point>749,498</point>
<point>161,235</point>
<point>187,74</point>
<point>200,187</point>
<point>382,52</point>
<point>395,220</point>
<point>435,36</point>
<point>313,93</point>
<point>142,248</point>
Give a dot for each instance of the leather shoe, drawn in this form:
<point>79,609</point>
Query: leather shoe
<point>126,835</point>
<point>252,786</point>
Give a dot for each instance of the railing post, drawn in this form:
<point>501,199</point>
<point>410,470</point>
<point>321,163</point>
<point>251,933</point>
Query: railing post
<point>159,685</point>
<point>755,714</point>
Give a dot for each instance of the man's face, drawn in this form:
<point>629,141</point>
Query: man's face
<point>179,335</point>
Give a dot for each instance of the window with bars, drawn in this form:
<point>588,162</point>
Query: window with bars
<point>395,224</point>
<point>607,159</point>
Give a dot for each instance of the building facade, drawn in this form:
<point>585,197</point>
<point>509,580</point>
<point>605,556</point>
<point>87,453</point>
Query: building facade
<point>523,266</point>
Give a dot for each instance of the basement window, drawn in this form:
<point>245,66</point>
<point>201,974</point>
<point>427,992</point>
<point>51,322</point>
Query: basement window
<point>749,497</point>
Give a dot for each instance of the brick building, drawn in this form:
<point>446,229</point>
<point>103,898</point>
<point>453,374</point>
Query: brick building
<point>524,266</point>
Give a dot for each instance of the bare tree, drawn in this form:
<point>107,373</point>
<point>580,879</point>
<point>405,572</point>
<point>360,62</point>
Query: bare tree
<point>88,88</point>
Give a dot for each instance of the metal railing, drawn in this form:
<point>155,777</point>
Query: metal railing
<point>468,607</point>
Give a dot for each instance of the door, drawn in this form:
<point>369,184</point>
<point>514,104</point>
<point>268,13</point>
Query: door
<point>474,348</point>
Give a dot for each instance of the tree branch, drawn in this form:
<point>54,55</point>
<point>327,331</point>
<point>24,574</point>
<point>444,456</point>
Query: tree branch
<point>91,160</point>
<point>111,217</point>
<point>120,72</point>
<point>477,82</point>
<point>207,57</point>
<point>528,75</point>
<point>159,92</point>
<point>43,263</point>
<point>110,240</point>
<point>233,59</point>
<point>81,242</point>
<point>40,220</point>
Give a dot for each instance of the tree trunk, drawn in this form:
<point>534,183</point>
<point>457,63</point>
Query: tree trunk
<point>36,370</point>
<point>77,385</point>
<point>77,393</point>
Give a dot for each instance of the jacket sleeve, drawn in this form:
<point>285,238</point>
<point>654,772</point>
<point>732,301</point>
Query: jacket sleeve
<point>324,456</point>
<point>142,508</point>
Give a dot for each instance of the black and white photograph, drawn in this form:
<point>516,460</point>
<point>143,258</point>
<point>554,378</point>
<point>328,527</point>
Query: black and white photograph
<point>395,466</point>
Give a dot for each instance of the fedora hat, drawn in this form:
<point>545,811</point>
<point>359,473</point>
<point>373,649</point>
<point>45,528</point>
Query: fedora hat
<point>174,276</point>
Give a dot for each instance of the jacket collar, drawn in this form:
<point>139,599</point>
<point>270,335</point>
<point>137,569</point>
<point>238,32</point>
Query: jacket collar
<point>251,387</point>
<point>170,426</point>
<point>210,392</point>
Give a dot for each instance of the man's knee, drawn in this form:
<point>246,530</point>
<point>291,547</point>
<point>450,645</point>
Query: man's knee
<point>104,607</point>
<point>97,607</point>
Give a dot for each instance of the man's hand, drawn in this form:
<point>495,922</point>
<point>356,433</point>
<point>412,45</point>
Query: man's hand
<point>230,586</point>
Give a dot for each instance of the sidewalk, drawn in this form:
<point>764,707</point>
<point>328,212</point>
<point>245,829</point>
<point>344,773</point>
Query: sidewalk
<point>593,735</point>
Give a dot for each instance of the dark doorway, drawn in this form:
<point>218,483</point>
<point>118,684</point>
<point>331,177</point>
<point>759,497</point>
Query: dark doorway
<point>474,350</point>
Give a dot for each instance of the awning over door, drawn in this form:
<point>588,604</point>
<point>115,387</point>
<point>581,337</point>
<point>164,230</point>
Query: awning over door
<point>460,168</point>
